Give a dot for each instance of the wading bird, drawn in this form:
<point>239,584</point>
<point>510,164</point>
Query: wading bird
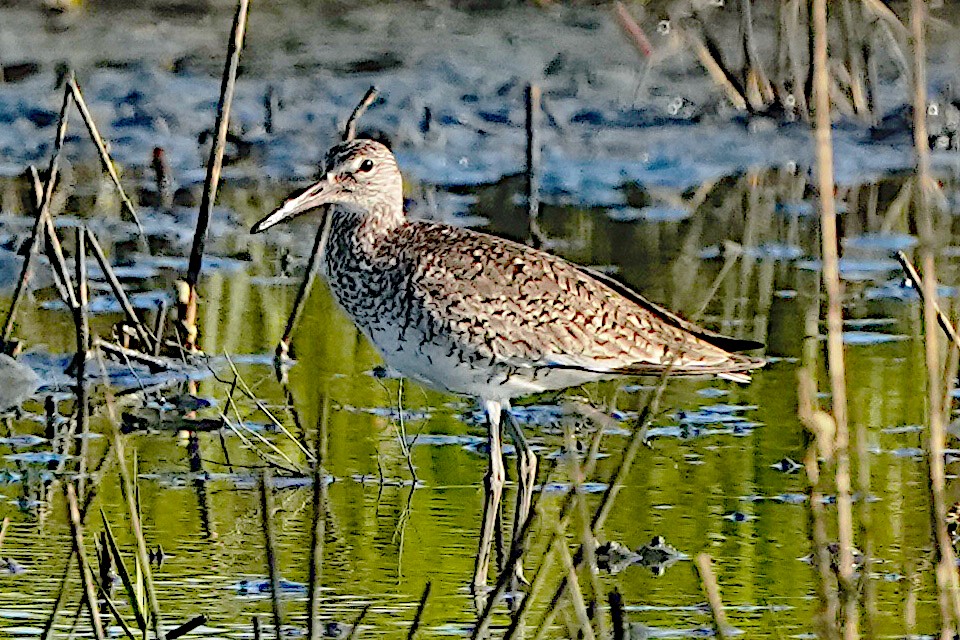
<point>477,315</point>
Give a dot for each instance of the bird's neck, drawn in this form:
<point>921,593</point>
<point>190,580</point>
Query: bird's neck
<point>383,217</point>
<point>363,233</point>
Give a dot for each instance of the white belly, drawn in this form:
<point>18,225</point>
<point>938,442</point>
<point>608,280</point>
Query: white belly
<point>434,366</point>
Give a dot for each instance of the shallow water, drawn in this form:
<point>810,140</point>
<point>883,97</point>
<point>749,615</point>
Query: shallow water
<point>718,475</point>
<point>712,480</point>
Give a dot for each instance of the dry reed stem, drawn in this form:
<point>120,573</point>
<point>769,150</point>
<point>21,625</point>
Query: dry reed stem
<point>576,594</point>
<point>831,281</point>
<point>318,526</point>
<point>852,29</point>
<point>53,248</point>
<point>102,150</point>
<point>112,608</point>
<point>507,572</point>
<point>42,212</point>
<point>350,128</point>
<point>355,630</point>
<point>256,450</point>
<point>128,582</point>
<point>266,513</point>
<point>58,601</point>
<point>38,188</point>
<point>186,627</point>
<point>533,98</point>
<point>419,614</point>
<point>263,409</point>
<point>154,363</point>
<point>710,587</point>
<point>518,619</point>
<point>148,340</point>
<point>90,594</point>
<point>650,408</point>
<point>884,13</point>
<point>214,165</point>
<point>713,67</point>
<point>320,241</point>
<point>814,422</point>
<point>632,29</point>
<point>948,590</point>
<point>3,530</point>
<point>133,511</point>
<point>588,541</point>
<point>751,57</point>
<point>918,285</point>
<point>306,285</point>
<point>81,321</point>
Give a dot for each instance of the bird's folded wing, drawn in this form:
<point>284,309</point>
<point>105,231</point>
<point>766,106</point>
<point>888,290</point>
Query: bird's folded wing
<point>507,302</point>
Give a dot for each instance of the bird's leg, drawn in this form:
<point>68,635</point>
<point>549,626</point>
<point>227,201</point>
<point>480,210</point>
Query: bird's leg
<point>493,490</point>
<point>526,479</point>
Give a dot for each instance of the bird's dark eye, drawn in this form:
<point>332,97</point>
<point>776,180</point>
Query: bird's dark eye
<point>366,165</point>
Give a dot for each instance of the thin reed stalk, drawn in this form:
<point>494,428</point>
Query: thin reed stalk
<point>518,620</point>
<point>754,75</point>
<point>650,408</point>
<point>532,173</point>
<point>58,601</point>
<point>133,512</point>
<point>822,429</point>
<point>633,30</point>
<point>53,248</point>
<point>42,212</point>
<point>588,541</point>
<point>105,160</point>
<point>147,339</point>
<point>82,322</point>
<point>911,272</point>
<point>318,527</point>
<point>263,409</point>
<point>112,608</point>
<point>214,165</point>
<point>831,280</point>
<point>576,594</point>
<point>692,34</point>
<point>708,581</point>
<point>948,591</point>
<point>419,614</point>
<point>306,285</point>
<point>853,50</point>
<point>266,513</point>
<point>320,242</point>
<point>350,128</point>
<point>615,602</point>
<point>86,576</point>
<point>355,630</point>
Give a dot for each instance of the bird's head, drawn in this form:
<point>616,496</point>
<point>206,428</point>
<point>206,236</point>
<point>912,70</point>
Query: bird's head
<point>361,172</point>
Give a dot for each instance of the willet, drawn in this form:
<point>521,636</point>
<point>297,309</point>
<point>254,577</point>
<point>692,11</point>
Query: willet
<point>478,315</point>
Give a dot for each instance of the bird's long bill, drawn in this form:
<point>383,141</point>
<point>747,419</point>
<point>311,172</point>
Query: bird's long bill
<point>314,196</point>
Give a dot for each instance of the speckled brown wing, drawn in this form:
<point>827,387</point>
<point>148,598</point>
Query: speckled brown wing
<point>527,308</point>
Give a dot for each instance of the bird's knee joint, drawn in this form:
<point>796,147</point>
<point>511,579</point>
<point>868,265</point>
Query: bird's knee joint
<point>495,479</point>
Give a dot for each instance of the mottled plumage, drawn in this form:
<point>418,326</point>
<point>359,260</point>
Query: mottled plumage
<point>479,315</point>
<point>482,316</point>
